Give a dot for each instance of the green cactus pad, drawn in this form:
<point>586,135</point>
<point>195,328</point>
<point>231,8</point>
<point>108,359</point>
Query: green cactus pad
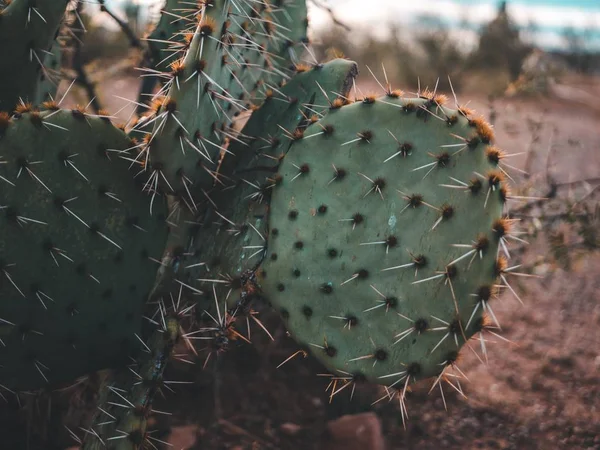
<point>362,258</point>
<point>228,64</point>
<point>125,402</point>
<point>236,230</point>
<point>79,249</point>
<point>268,131</point>
<point>27,32</point>
<point>168,35</point>
<point>51,76</point>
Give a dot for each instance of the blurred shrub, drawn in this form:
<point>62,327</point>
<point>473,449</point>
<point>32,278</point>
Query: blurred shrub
<point>500,46</point>
<point>428,50</point>
<point>100,41</point>
<point>426,54</point>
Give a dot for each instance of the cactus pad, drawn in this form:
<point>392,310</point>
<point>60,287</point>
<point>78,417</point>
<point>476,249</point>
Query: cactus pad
<point>384,234</point>
<point>79,251</point>
<point>233,224</point>
<point>27,33</point>
<point>125,402</point>
<point>231,59</point>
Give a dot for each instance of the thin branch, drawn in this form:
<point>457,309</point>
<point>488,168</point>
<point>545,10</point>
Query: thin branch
<point>133,39</point>
<point>553,192</point>
<point>334,19</point>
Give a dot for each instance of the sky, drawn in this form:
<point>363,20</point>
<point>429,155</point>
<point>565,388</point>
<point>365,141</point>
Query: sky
<point>551,16</point>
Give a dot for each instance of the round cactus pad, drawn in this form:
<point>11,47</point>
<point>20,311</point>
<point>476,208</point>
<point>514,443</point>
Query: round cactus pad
<point>384,234</point>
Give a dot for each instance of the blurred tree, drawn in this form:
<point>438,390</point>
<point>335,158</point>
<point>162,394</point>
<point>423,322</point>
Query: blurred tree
<point>578,54</point>
<point>500,45</point>
<point>424,52</point>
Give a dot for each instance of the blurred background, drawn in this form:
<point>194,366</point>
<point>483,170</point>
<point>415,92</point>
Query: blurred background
<point>532,67</point>
<point>489,41</point>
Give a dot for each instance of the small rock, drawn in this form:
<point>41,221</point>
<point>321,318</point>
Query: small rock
<point>183,437</point>
<point>291,429</point>
<point>356,432</point>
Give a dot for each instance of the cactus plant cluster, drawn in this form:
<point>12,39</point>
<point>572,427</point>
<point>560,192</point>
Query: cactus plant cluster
<point>229,59</point>
<point>373,226</point>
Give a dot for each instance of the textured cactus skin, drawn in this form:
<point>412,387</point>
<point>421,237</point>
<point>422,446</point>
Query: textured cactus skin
<point>164,43</point>
<point>219,75</point>
<point>249,177</point>
<point>76,248</point>
<point>314,249</point>
<point>25,37</point>
<point>286,110</point>
<point>285,44</point>
<point>51,76</point>
<point>168,34</point>
<point>127,426</point>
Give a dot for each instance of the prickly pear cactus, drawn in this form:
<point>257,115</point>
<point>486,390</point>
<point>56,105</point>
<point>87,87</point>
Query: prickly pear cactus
<point>231,58</point>
<point>50,76</point>
<point>167,39</point>
<point>27,33</point>
<point>121,421</point>
<point>375,228</point>
<point>384,236</point>
<point>79,252</point>
<point>233,225</point>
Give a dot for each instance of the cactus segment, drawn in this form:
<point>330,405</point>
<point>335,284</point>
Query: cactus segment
<point>227,65</point>
<point>78,254</point>
<point>121,422</point>
<point>269,132</point>
<point>165,43</point>
<point>384,236</point>
<point>232,226</point>
<point>27,32</point>
<point>168,37</point>
<point>288,40</point>
<point>50,76</point>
